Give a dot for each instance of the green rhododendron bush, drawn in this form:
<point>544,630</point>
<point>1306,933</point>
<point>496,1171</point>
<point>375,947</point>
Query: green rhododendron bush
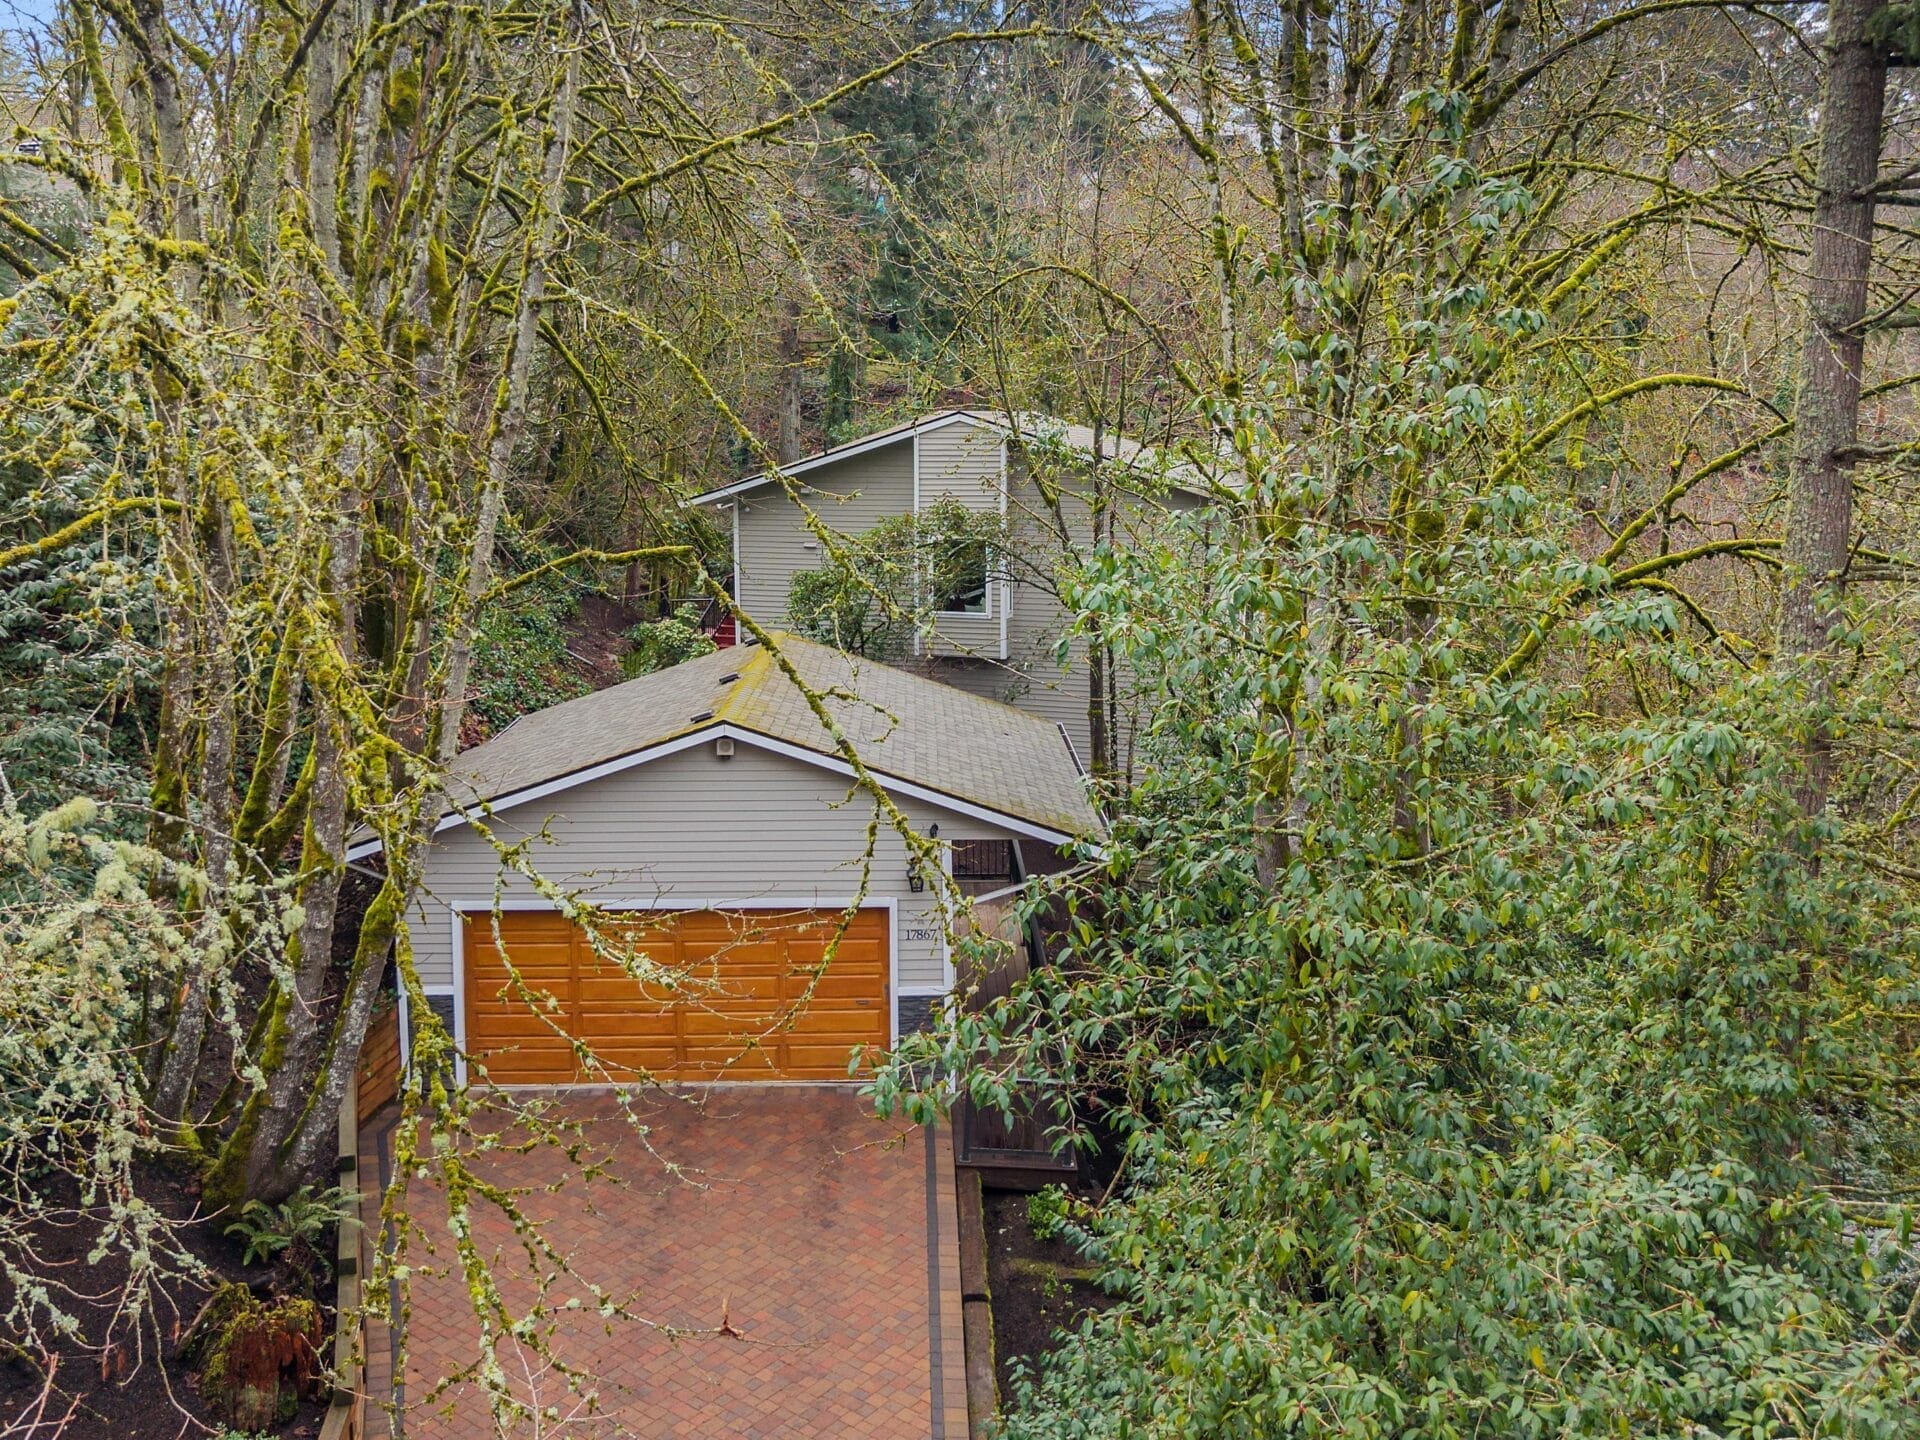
<point>1553,1127</point>
<point>1495,1040</point>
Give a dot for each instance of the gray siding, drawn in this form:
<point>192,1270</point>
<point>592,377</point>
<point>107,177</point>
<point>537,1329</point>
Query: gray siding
<point>1046,538</point>
<point>1042,543</point>
<point>1006,655</point>
<point>963,462</point>
<point>849,496</point>
<point>691,828</point>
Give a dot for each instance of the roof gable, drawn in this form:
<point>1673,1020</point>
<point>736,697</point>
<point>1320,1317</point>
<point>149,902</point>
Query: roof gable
<point>915,734</point>
<point>899,434</point>
<point>1032,429</point>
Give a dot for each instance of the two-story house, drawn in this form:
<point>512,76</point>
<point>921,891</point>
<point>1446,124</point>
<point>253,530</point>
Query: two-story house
<point>1055,487</point>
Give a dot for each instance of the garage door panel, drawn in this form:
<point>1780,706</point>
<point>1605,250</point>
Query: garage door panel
<point>544,1058</point>
<point>625,930</point>
<point>815,936</point>
<point>832,986</point>
<point>524,927</point>
<point>614,1026</point>
<point>515,1069</point>
<point>553,995</point>
<point>534,969</point>
<point>632,1062</point>
<point>868,967</point>
<point>725,1062</point>
<point>742,1020</point>
<point>523,1033</point>
<point>757,998</point>
<point>864,1025</point>
<point>820,1062</point>
<point>698,946</point>
<point>528,961</point>
<point>762,991</point>
<point>731,1003</point>
<point>517,1019</point>
<point>546,960</point>
<point>622,990</point>
<point>638,960</point>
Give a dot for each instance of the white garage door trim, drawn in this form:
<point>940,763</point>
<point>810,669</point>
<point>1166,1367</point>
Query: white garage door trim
<point>459,910</point>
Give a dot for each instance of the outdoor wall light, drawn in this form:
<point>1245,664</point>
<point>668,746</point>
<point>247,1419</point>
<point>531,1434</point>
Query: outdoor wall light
<point>917,882</point>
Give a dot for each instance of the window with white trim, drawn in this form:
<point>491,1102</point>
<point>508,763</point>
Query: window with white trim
<point>962,569</point>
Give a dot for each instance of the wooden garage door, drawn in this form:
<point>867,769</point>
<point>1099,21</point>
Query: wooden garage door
<point>757,998</point>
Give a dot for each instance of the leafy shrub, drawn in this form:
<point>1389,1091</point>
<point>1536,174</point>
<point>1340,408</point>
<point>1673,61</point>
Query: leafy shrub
<point>520,656</point>
<point>883,586</point>
<point>665,643</point>
<point>1047,1212</point>
<point>1479,1039</point>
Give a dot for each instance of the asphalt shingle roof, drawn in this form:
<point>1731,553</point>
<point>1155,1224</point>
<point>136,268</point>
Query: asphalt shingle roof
<point>903,726</point>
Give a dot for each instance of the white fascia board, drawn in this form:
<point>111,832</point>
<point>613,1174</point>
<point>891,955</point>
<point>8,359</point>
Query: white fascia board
<point>954,417</point>
<point>727,492</point>
<point>897,786</point>
<point>801,467</point>
<point>844,452</point>
<point>687,741</point>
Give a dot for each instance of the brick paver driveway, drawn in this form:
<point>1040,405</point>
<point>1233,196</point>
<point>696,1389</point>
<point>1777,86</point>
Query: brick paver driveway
<point>800,1279</point>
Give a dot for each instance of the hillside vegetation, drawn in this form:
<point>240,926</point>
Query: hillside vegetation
<point>1501,978</point>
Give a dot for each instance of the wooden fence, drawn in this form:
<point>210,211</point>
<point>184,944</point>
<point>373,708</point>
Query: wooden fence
<point>346,1417</point>
<point>375,1084</point>
<point>1017,1151</point>
<point>379,1074</point>
<point>1014,1152</point>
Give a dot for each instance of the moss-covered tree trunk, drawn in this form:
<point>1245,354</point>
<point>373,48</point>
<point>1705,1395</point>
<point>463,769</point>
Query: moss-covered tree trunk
<point>1827,407</point>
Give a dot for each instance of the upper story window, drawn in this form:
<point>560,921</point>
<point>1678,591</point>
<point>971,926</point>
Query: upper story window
<point>960,567</point>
